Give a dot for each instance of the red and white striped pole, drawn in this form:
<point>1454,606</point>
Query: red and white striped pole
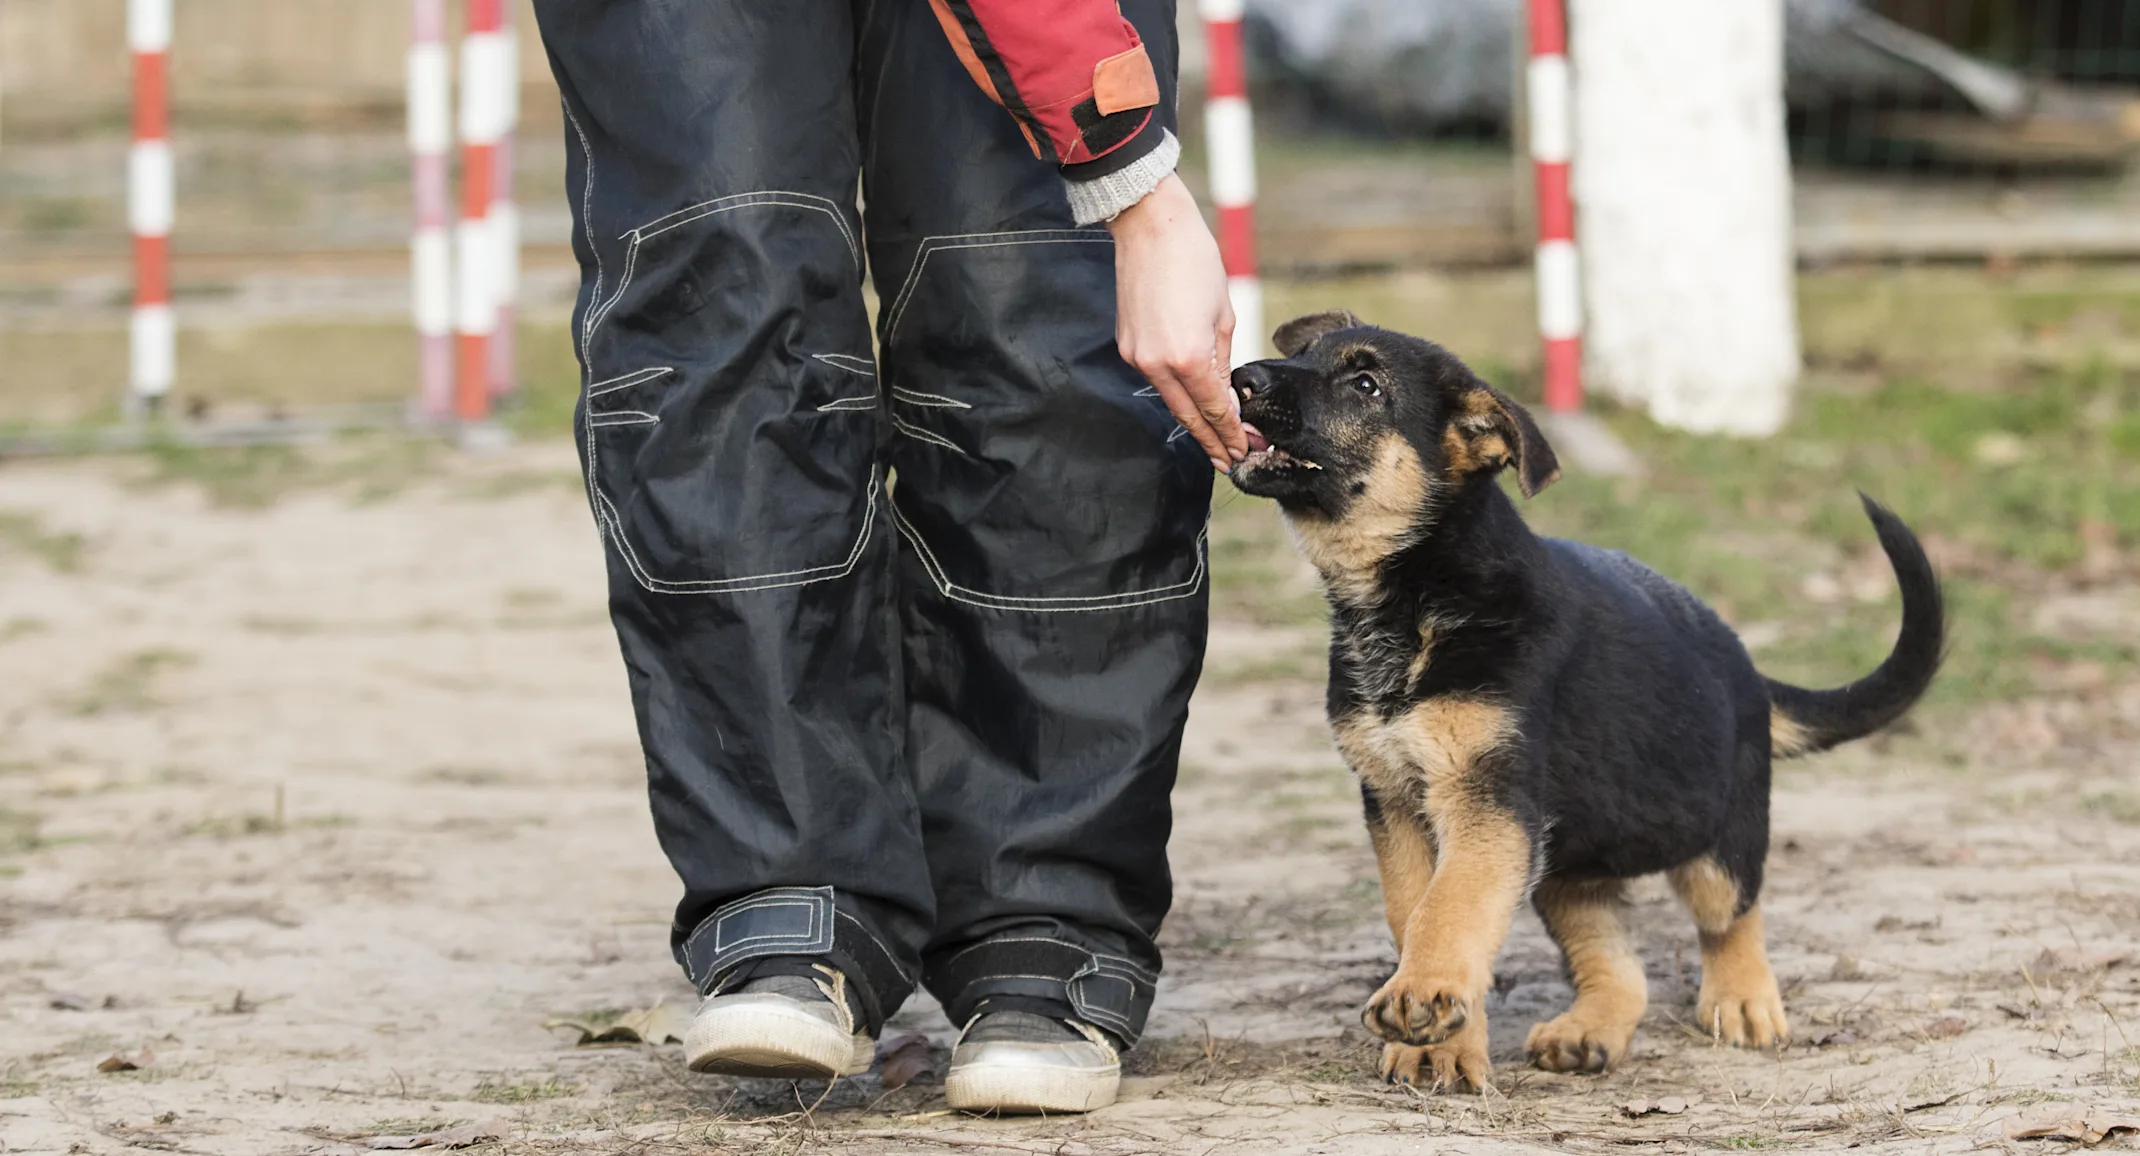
<point>1560,289</point>
<point>149,204</point>
<point>483,124</point>
<point>430,99</point>
<point>1231,141</point>
<point>504,214</point>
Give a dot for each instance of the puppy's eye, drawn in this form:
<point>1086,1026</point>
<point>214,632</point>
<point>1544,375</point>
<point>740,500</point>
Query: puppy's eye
<point>1366,384</point>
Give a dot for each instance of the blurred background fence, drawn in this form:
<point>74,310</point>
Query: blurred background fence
<point>1973,131</point>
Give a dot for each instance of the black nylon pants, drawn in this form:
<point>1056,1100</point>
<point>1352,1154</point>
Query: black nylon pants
<point>910,630</point>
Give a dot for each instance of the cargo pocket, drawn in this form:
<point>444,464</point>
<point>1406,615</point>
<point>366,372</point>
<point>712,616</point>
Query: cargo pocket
<point>1036,470</point>
<point>731,443</point>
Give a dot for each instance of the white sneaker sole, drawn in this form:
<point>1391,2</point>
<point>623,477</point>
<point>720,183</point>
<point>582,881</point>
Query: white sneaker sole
<point>1027,1089</point>
<point>773,1039</point>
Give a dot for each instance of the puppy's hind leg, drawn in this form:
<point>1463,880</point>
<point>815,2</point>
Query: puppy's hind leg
<point>1611,991</point>
<point>1739,1002</point>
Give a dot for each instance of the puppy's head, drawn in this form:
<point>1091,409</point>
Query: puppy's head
<point>1356,421</point>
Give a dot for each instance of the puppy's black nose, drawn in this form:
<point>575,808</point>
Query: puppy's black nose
<point>1250,379</point>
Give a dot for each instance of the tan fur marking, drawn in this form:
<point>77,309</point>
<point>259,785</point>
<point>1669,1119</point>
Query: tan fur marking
<point>1611,992</point>
<point>1456,450</point>
<point>1786,735</point>
<point>1382,517</point>
<point>1418,669</point>
<point>1470,443</point>
<point>1405,857</point>
<point>1709,892</point>
<point>1739,1002</point>
<point>1429,750</point>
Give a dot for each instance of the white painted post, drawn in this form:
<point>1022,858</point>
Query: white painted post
<point>1682,180</point>
<point>430,99</point>
<point>1231,140</point>
<point>150,200</point>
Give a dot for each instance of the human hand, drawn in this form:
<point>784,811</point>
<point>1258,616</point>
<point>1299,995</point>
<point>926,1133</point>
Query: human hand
<point>1172,317</point>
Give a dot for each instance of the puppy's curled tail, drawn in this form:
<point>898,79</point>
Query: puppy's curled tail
<point>1802,721</point>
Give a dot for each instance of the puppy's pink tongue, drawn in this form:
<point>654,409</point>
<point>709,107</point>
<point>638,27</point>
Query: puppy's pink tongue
<point>1257,443</point>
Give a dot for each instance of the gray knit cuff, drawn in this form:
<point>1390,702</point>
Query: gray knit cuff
<point>1101,199</point>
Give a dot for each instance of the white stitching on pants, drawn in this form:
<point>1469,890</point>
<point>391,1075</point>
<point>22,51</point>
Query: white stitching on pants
<point>610,417</point>
<point>586,226</point>
<point>930,245</point>
<point>921,435</point>
<point>931,400</point>
<point>862,366</point>
<point>1058,604</point>
<point>859,401</point>
<point>629,380</point>
<point>812,201</point>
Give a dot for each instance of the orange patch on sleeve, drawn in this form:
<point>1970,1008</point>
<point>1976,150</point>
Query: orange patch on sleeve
<point>1124,81</point>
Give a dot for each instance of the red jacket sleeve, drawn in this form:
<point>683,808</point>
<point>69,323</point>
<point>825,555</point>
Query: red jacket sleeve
<point>1072,72</point>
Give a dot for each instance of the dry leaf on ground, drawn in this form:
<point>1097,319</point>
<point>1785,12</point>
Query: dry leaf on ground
<point>2069,1122</point>
<point>1668,1106</point>
<point>117,1062</point>
<point>463,1136</point>
<point>904,1060</point>
<point>1946,1027</point>
<point>663,1023</point>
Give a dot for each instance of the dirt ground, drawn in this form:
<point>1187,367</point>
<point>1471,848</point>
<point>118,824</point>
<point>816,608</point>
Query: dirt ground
<point>318,810</point>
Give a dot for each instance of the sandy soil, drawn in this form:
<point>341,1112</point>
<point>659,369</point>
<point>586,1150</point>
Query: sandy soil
<point>318,811</point>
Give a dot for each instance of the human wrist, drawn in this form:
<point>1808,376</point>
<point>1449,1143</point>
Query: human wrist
<point>1166,205</point>
<point>1107,197</point>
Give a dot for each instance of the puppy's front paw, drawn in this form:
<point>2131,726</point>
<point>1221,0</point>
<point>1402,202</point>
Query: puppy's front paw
<point>1423,1008</point>
<point>1459,1064</point>
<point>1574,1043</point>
<point>1744,1015</point>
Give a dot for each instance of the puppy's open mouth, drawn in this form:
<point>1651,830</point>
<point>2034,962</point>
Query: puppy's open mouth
<point>1263,455</point>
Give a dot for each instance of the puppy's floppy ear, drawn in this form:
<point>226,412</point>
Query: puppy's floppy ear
<point>1302,332</point>
<point>1491,431</point>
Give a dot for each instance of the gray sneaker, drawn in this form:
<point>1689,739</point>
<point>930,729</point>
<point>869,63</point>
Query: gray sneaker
<point>787,1027</point>
<point>1013,1062</point>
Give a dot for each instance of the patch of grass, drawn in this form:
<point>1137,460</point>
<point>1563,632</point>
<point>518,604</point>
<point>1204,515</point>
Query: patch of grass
<point>15,1082</point>
<point>254,823</point>
<point>231,476</point>
<point>22,626</point>
<point>374,466</point>
<point>1256,572</point>
<point>2120,806</point>
<point>463,776</point>
<point>25,533</point>
<point>58,214</point>
<point>231,826</point>
<point>128,684</point>
<point>488,1092</point>
<point>549,383</point>
<point>19,831</point>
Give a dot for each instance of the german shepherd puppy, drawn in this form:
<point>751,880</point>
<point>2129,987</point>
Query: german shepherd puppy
<point>1530,716</point>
